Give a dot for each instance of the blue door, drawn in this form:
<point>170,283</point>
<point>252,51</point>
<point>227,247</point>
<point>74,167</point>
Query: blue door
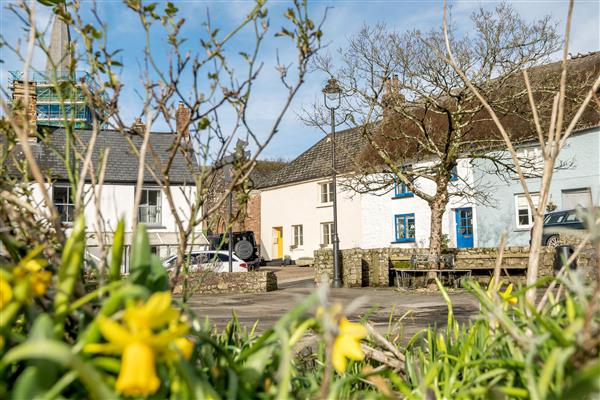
<point>464,227</point>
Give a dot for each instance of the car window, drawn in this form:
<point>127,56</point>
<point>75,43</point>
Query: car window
<point>554,218</point>
<point>571,217</point>
<point>199,258</point>
<point>223,257</point>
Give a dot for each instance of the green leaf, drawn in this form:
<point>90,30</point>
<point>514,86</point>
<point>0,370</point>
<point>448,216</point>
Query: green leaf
<point>158,279</point>
<point>114,272</point>
<point>60,353</point>
<point>586,382</point>
<point>68,273</point>
<point>139,264</point>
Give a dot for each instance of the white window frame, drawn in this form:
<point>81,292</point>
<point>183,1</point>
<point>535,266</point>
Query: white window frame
<point>326,192</point>
<point>326,234</point>
<point>524,205</point>
<point>297,236</point>
<point>69,205</point>
<point>145,209</point>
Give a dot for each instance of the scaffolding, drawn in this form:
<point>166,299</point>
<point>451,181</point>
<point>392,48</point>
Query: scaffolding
<point>48,103</point>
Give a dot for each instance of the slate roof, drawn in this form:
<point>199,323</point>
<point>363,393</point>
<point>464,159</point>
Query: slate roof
<point>315,162</point>
<point>122,164</point>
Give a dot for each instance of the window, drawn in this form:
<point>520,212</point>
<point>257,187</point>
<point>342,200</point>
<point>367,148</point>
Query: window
<point>298,235</point>
<point>401,190</point>
<point>405,227</point>
<point>524,214</point>
<point>326,233</point>
<point>149,211</point>
<point>327,192</point>
<point>572,198</point>
<point>61,196</point>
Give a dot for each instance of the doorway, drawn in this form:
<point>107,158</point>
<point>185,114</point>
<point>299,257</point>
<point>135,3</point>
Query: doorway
<point>278,242</point>
<point>464,227</point>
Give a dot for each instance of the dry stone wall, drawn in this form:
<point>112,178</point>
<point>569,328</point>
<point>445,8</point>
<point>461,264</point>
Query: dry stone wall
<point>371,267</point>
<point>230,282</point>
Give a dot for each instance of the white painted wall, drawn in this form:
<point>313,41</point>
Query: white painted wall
<point>299,204</point>
<point>379,208</point>
<point>117,202</point>
<point>365,221</point>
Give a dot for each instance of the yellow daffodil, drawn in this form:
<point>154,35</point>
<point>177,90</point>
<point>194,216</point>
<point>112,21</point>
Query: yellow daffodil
<point>156,312</point>
<point>33,271</point>
<point>347,344</point>
<point>6,292</point>
<point>138,371</point>
<point>506,295</point>
<point>185,346</point>
<point>149,331</point>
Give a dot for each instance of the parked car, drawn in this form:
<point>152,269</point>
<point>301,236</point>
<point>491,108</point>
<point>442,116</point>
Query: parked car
<point>556,220</point>
<point>244,246</point>
<point>215,261</point>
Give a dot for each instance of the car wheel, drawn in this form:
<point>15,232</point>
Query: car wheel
<point>553,241</point>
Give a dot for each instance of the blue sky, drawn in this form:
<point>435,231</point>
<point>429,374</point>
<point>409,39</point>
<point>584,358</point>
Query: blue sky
<point>344,19</point>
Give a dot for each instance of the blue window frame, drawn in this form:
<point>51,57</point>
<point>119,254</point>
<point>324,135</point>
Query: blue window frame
<point>404,225</point>
<point>401,190</point>
<point>454,174</point>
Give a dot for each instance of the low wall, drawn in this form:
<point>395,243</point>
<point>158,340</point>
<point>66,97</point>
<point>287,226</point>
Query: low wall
<point>371,267</point>
<point>230,282</point>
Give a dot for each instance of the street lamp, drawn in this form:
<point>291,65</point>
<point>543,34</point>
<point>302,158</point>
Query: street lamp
<point>332,94</point>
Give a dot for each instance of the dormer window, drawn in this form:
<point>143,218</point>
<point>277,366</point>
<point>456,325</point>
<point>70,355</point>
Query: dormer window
<point>401,190</point>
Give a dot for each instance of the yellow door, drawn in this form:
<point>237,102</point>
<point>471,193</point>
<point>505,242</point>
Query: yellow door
<point>278,242</point>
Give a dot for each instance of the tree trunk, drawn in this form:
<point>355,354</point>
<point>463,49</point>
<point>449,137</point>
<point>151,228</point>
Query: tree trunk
<point>437,206</point>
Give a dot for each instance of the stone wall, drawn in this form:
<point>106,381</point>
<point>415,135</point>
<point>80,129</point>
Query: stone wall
<point>231,282</point>
<point>587,259</point>
<point>371,267</point>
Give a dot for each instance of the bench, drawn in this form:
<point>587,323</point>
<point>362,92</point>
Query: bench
<point>423,259</point>
<point>403,275</point>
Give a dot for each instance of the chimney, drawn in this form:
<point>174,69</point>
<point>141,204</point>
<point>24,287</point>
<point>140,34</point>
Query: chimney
<point>392,95</point>
<point>138,126</point>
<point>25,108</point>
<point>183,117</point>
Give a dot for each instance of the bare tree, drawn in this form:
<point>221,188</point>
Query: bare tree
<point>420,118</point>
<point>551,143</point>
<point>206,81</point>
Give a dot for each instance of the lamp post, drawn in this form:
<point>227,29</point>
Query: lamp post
<point>228,178</point>
<point>332,94</point>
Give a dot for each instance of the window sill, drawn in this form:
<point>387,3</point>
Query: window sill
<point>405,241</point>
<point>403,196</point>
<point>154,226</point>
<point>324,205</point>
<point>523,229</point>
<point>299,248</point>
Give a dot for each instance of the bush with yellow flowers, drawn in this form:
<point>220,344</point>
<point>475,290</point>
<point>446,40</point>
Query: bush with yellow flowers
<point>129,338</point>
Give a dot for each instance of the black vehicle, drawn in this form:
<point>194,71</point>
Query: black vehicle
<point>556,220</point>
<point>244,246</point>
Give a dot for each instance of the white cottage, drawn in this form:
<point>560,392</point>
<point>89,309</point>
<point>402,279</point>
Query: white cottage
<point>118,191</point>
